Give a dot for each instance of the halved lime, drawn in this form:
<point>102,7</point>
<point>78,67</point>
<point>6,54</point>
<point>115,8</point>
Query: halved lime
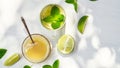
<point>65,44</point>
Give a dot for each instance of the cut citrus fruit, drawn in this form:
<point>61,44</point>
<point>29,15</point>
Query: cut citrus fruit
<point>12,59</point>
<point>65,44</point>
<point>82,23</point>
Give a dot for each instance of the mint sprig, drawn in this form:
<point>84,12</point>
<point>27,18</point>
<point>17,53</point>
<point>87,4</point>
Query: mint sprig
<point>55,25</point>
<point>55,18</point>
<point>74,2</point>
<point>93,0</point>
<point>55,10</point>
<point>2,52</point>
<point>47,66</point>
<point>27,66</point>
<point>55,65</point>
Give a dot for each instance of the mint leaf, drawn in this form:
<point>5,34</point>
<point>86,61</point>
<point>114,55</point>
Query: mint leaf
<point>70,1</point>
<point>2,52</point>
<point>55,10</point>
<point>56,64</point>
<point>55,25</point>
<point>75,6</point>
<point>48,19</point>
<point>47,66</point>
<point>74,2</point>
<point>93,0</point>
<point>27,66</point>
<point>59,18</point>
<point>57,21</point>
<point>82,24</point>
<point>55,18</point>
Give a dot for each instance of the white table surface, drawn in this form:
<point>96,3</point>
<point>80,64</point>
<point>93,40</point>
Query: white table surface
<point>97,48</point>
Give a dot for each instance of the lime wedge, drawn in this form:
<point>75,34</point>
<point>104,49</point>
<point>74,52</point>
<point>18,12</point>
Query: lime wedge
<point>65,44</point>
<point>12,59</point>
<point>82,24</point>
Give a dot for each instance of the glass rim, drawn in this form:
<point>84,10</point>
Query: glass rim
<point>47,54</point>
<point>64,22</point>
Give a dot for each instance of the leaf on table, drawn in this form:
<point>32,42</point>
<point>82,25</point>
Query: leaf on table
<point>2,52</point>
<point>56,64</point>
<point>55,10</point>
<point>76,6</point>
<point>93,0</point>
<point>74,2</point>
<point>47,66</point>
<point>70,1</point>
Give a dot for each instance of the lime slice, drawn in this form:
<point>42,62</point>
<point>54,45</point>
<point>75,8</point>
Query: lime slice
<point>65,44</point>
<point>12,59</point>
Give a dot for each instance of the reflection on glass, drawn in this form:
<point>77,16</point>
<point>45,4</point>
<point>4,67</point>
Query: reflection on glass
<point>37,51</point>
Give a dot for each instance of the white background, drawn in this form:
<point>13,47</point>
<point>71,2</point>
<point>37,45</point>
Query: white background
<point>97,48</point>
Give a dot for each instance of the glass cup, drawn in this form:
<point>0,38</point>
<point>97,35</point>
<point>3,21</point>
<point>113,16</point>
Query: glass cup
<point>54,22</point>
<point>38,51</point>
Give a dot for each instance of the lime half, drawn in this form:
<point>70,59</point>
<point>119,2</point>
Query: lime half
<point>65,44</point>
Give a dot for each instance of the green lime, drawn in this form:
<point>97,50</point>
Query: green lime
<point>12,59</point>
<point>82,24</point>
<point>65,44</point>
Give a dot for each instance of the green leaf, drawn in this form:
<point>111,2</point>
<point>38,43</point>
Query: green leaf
<point>93,0</point>
<point>58,18</point>
<point>74,2</point>
<point>82,24</point>
<point>2,52</point>
<point>55,10</point>
<point>70,1</point>
<point>56,64</point>
<point>27,66</point>
<point>55,25</point>
<point>48,19</point>
<point>47,66</point>
<point>75,6</point>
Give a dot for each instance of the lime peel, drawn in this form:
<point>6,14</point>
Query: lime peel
<point>82,24</point>
<point>12,59</point>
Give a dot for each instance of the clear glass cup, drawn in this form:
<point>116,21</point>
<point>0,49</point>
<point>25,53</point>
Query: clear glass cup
<point>38,51</point>
<point>46,11</point>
